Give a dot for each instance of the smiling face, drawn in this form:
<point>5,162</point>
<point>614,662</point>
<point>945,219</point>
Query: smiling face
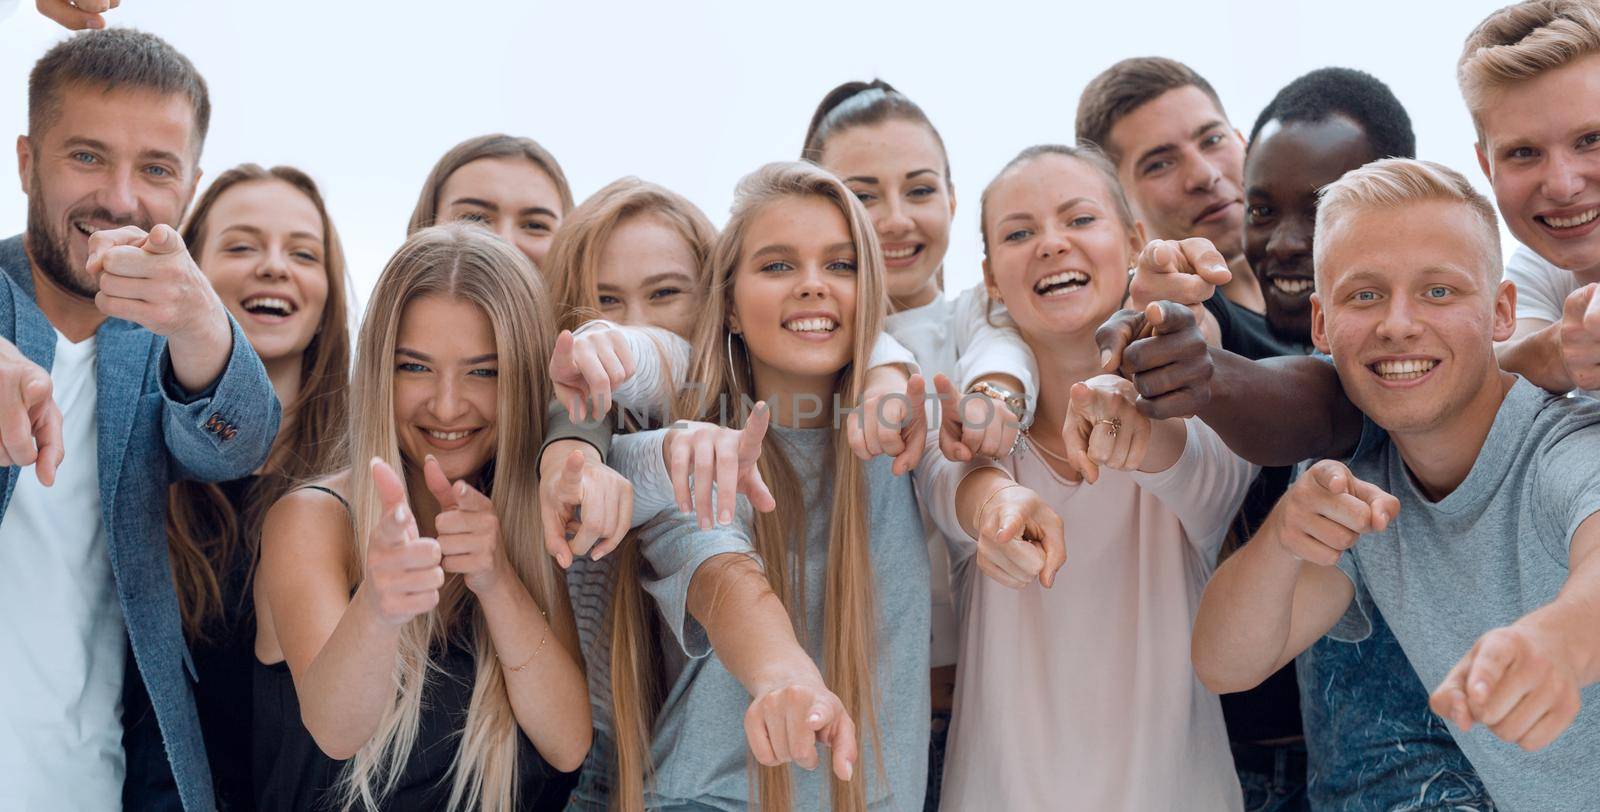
<point>445,384</point>
<point>512,197</point>
<point>1409,304</point>
<point>897,170</point>
<point>1541,151</point>
<point>1287,164</point>
<point>794,294</point>
<point>1182,165</point>
<point>110,159</point>
<point>645,276</point>
<point>1058,253</point>
<point>265,254</point>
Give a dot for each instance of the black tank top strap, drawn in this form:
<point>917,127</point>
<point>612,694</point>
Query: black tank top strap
<point>331,492</point>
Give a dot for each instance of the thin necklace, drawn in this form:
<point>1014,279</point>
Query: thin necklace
<point>1049,469</point>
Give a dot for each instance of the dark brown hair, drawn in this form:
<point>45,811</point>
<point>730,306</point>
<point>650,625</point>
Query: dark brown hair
<point>111,59</point>
<point>496,145</point>
<point>859,104</point>
<point>1124,88</point>
<point>207,535</point>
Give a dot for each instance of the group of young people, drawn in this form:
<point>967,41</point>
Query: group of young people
<point>1245,480</point>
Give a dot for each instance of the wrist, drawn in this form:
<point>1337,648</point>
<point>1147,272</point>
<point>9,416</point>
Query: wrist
<point>1569,632</point>
<point>780,675</point>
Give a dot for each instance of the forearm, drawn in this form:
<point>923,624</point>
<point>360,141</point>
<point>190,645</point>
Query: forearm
<point>199,356</point>
<point>348,685</point>
<point>748,626</point>
<point>1536,355</point>
<point>975,489</point>
<point>1280,411</point>
<point>1242,627</point>
<point>544,679</point>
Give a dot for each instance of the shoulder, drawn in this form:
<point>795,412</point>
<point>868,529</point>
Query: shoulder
<point>310,510</point>
<point>1528,268</point>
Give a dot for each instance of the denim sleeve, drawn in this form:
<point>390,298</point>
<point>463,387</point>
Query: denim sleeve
<point>225,431</point>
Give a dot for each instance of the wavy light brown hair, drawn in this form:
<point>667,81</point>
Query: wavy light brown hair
<point>850,606</point>
<point>574,258</point>
<point>1521,41</point>
<point>497,145</point>
<point>205,533</point>
<point>469,264</point>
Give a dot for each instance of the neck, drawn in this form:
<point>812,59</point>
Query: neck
<point>1063,361</point>
<point>800,402</point>
<point>1440,457</point>
<point>74,316</point>
<point>1244,289</point>
<point>285,376</point>
<point>919,297</point>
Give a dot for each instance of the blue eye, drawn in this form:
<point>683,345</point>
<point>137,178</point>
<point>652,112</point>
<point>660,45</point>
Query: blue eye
<point>665,293</point>
<point>776,266</point>
<point>922,191</point>
<point>158,171</point>
<point>305,256</point>
<point>85,158</point>
<point>1083,220</point>
<point>473,217</point>
<point>864,197</point>
<point>1019,234</point>
<point>1365,296</point>
<point>1522,153</point>
<point>1212,140</point>
<point>410,366</point>
<point>1438,292</point>
<point>842,266</point>
<point>607,300</point>
<point>485,373</point>
<point>534,225</point>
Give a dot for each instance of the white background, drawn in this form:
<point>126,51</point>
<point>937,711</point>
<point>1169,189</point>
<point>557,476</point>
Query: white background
<point>367,95</point>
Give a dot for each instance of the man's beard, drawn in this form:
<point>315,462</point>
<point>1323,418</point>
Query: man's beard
<point>49,251</point>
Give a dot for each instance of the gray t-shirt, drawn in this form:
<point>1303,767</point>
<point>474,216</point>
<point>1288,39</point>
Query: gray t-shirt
<point>699,748</point>
<point>1490,552</point>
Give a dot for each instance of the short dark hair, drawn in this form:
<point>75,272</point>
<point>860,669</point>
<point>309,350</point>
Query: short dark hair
<point>110,59</point>
<point>1124,88</point>
<point>1358,95</point>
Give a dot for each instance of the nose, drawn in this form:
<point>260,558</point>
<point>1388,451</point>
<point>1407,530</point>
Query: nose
<point>1290,241</point>
<point>633,313</point>
<point>1202,175</point>
<point>894,222</point>
<point>1563,178</point>
<point>1052,241</point>
<point>1399,320</point>
<point>447,403</point>
<point>274,265</point>
<point>117,195</point>
<point>811,284</point>
<point>506,228</point>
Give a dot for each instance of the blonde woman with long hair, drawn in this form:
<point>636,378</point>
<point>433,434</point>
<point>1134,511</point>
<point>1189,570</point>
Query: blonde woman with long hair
<point>810,625</point>
<point>409,624</point>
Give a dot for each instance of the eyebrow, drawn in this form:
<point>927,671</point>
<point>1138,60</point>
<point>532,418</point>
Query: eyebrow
<point>1022,215</point>
<point>873,180</point>
<point>428,359</point>
<point>1198,131</point>
<point>652,279</point>
<point>252,230</point>
<point>484,204</point>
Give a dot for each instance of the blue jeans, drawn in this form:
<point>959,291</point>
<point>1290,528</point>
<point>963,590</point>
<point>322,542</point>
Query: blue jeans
<point>1273,777</point>
<point>1373,742</point>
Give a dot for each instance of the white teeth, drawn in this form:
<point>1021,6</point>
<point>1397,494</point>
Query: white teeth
<point>900,253</point>
<point>282,306</point>
<point>816,325</point>
<point>85,229</point>
<point>1060,284</point>
<point>1404,370</point>
<point>1293,287</point>
<point>1572,222</point>
<point>447,436</point>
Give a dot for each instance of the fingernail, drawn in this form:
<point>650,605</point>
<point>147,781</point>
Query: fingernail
<point>461,488</point>
<point>814,718</point>
<point>849,770</point>
<point>727,517</point>
<point>400,513</point>
<point>1105,357</point>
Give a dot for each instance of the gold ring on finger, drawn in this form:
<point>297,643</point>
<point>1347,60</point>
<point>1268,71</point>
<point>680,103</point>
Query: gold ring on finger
<point>1113,422</point>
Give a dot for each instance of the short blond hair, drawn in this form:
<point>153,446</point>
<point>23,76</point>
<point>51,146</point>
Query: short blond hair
<point>1521,41</point>
<point>1397,182</point>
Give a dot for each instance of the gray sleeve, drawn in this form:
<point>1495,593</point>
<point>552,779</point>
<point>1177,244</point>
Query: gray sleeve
<point>1567,483</point>
<point>674,547</point>
<point>560,426</point>
<point>1356,625</point>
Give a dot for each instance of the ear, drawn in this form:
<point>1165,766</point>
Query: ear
<point>1505,311</point>
<point>1483,162</point>
<point>1136,241</point>
<point>988,282</point>
<point>952,200</point>
<point>1319,326</point>
<point>24,162</point>
<point>733,324</point>
<point>1243,142</point>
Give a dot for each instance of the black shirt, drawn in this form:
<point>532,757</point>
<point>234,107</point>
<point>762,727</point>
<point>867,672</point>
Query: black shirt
<point>1272,709</point>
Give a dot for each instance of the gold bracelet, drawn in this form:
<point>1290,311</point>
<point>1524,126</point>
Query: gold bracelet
<point>536,649</point>
<point>977,518</point>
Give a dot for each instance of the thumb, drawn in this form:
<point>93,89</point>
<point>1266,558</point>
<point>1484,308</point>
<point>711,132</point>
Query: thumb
<point>570,485</point>
<point>561,356</point>
<point>438,483</point>
<point>1010,525</point>
<point>163,239</point>
<point>390,487</point>
<point>753,433</point>
<point>1591,308</point>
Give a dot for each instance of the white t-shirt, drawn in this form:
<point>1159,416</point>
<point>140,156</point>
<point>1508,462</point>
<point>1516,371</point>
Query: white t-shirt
<point>1542,288</point>
<point>61,628</point>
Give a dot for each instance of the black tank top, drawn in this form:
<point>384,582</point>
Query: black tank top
<point>291,773</point>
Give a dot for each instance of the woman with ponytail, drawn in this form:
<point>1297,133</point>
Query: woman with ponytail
<point>809,625</point>
<point>888,152</point>
<point>408,624</point>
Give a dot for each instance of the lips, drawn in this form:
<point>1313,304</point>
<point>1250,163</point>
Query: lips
<point>1061,284</point>
<point>270,306</point>
<point>1403,370</point>
<point>448,439</point>
<point>1292,286</point>
<point>1569,220</point>
<point>816,324</point>
<point>1214,211</point>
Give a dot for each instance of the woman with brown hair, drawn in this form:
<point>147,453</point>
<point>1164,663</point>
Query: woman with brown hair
<point>264,239</point>
<point>409,626</point>
<point>507,184</point>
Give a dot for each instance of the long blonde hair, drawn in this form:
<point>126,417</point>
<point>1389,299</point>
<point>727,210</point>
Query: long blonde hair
<point>205,533</point>
<point>850,612</point>
<point>573,263</point>
<point>470,264</point>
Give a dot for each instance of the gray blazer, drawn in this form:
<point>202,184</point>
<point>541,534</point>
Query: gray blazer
<point>150,435</point>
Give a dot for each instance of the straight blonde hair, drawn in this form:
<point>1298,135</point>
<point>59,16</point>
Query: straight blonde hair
<point>1521,41</point>
<point>850,605</point>
<point>467,263</point>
